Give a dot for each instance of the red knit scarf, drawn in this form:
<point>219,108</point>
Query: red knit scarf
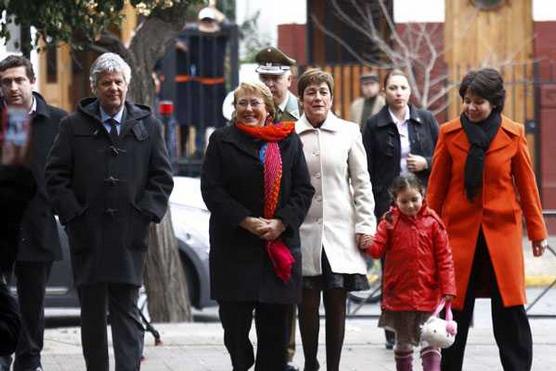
<point>279,254</point>
<point>268,133</point>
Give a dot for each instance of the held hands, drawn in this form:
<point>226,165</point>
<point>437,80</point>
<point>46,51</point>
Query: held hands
<point>363,241</point>
<point>539,247</point>
<point>416,163</point>
<point>266,229</point>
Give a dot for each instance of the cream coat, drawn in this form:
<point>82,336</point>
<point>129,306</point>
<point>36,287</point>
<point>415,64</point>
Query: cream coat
<point>343,203</point>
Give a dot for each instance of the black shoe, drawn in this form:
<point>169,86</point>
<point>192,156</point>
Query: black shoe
<point>313,367</point>
<point>291,367</point>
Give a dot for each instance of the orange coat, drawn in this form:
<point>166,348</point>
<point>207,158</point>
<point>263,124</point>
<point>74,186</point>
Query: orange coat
<point>509,188</point>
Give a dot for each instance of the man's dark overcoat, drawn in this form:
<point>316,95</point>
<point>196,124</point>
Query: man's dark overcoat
<point>232,185</point>
<point>38,237</point>
<point>106,193</point>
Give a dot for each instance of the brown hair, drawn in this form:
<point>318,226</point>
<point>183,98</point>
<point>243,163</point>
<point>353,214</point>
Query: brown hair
<point>394,72</point>
<point>405,182</point>
<point>258,88</point>
<point>487,83</point>
<point>13,61</point>
<point>314,76</point>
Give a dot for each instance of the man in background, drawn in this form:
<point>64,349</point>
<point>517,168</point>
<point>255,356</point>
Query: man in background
<point>275,71</point>
<point>38,242</point>
<point>370,101</point>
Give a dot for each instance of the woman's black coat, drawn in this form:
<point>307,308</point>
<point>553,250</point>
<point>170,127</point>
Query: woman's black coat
<point>233,189</point>
<point>382,144</point>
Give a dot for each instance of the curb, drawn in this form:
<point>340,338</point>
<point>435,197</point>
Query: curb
<point>539,281</point>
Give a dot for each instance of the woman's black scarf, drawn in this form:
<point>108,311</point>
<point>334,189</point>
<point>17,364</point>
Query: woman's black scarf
<point>480,136</point>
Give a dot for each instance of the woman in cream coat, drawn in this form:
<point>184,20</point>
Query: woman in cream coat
<point>340,220</point>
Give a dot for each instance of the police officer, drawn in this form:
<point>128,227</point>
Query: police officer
<point>275,70</point>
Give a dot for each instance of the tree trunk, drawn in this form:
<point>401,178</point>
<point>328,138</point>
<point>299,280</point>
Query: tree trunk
<point>167,291</point>
<point>165,283</point>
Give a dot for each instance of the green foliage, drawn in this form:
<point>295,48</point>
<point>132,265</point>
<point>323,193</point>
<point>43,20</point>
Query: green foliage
<point>77,22</point>
<point>228,7</point>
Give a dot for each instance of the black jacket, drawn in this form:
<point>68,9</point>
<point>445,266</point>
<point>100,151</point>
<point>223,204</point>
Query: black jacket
<point>38,239</point>
<point>107,193</point>
<point>233,188</point>
<point>17,188</point>
<point>382,144</point>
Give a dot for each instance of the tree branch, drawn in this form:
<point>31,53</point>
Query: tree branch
<point>339,40</point>
<point>108,42</point>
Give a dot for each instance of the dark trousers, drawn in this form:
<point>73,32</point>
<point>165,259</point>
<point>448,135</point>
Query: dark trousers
<point>32,278</point>
<point>510,324</point>
<point>272,330</point>
<point>127,330</point>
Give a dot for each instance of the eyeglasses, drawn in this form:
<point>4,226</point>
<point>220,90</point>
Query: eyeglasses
<point>253,103</point>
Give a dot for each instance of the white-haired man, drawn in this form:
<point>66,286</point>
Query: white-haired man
<point>108,177</point>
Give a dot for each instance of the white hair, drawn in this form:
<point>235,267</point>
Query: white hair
<point>108,62</point>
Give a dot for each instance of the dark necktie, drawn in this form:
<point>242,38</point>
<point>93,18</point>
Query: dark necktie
<point>113,129</point>
<point>279,114</point>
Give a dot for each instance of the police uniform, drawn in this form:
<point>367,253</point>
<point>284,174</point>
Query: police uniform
<point>273,61</point>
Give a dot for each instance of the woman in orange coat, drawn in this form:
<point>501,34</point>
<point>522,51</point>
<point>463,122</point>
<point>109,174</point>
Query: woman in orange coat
<point>481,182</point>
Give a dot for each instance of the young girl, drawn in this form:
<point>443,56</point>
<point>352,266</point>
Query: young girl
<point>419,270</point>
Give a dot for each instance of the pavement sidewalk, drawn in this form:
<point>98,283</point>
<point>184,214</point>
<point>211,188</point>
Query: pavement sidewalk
<point>199,346</point>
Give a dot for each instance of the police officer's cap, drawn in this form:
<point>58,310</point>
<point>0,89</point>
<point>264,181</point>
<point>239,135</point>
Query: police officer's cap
<point>273,61</point>
<point>368,77</point>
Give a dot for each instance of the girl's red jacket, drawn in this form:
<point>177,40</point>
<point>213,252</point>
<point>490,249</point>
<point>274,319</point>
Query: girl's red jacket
<point>418,266</point>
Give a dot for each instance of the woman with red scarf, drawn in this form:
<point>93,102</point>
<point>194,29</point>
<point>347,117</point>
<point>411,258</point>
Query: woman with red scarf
<point>256,185</point>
